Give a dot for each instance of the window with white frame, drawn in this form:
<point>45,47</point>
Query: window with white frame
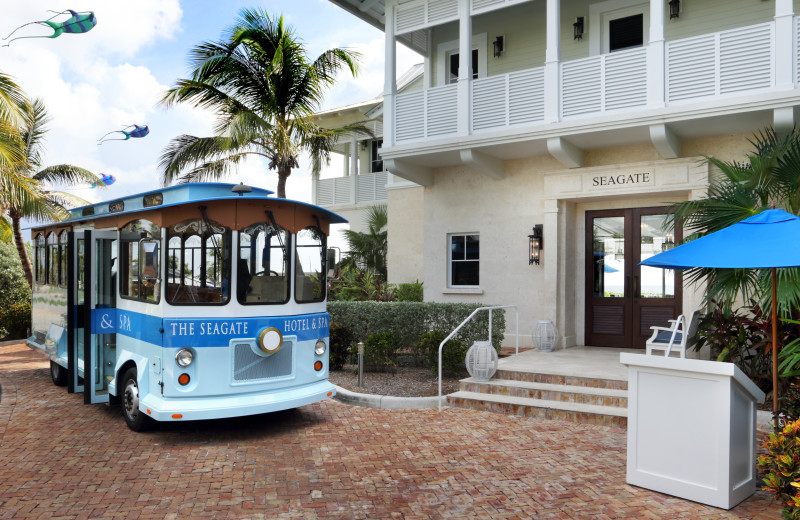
<point>448,59</point>
<point>464,260</point>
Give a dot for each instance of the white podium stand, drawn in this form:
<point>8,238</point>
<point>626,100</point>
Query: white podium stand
<point>691,428</point>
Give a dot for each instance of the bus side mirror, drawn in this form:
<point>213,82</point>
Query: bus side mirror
<point>330,262</point>
<point>148,259</point>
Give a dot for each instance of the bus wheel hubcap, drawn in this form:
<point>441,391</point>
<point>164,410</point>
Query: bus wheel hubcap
<point>131,399</point>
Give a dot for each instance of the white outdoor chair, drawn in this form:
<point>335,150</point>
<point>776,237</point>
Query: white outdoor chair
<point>676,337</point>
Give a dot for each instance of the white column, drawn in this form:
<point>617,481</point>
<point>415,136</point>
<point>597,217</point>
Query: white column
<point>353,168</point>
<point>552,63</point>
<point>390,77</point>
<point>784,18</point>
<point>427,76</point>
<point>655,56</point>
<point>464,67</point>
<point>314,183</point>
<point>551,264</point>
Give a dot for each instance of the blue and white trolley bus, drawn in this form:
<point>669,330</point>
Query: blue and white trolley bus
<point>197,301</point>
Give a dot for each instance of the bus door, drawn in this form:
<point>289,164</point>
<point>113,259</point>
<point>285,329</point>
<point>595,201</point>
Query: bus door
<point>100,314</point>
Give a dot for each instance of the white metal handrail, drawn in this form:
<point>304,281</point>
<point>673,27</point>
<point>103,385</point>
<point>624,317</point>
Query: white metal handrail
<point>490,309</point>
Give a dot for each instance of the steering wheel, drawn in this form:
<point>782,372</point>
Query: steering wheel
<point>261,273</point>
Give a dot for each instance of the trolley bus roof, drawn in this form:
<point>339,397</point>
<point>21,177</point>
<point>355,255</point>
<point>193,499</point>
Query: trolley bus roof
<point>181,194</point>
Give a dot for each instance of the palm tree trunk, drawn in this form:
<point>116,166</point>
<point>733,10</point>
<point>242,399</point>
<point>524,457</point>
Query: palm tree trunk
<point>22,251</point>
<point>283,174</point>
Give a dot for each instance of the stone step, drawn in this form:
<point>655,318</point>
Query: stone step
<point>539,408</point>
<point>548,392</point>
<point>557,379</point>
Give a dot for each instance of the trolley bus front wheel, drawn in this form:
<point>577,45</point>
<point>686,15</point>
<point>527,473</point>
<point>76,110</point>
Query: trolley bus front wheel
<point>134,418</point>
<point>58,374</point>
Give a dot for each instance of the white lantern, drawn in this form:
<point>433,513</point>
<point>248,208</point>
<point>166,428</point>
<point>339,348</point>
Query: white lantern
<point>482,360</point>
<point>545,336</point>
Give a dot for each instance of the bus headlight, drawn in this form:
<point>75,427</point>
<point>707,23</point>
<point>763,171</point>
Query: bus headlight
<point>320,347</point>
<point>184,357</point>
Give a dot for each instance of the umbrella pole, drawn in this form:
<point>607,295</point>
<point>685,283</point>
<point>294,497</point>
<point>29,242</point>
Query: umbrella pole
<point>775,348</point>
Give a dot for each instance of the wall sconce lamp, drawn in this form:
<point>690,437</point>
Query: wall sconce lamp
<point>363,145</point>
<point>535,242</point>
<point>578,28</point>
<point>499,45</point>
<point>674,9</point>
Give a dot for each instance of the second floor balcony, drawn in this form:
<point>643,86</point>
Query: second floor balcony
<point>713,66</point>
<point>628,75</point>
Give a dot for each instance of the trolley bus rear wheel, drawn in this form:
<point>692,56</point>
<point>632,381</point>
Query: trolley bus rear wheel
<point>134,418</point>
<point>58,373</point>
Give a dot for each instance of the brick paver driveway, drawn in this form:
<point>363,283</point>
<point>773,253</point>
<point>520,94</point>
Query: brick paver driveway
<point>60,458</point>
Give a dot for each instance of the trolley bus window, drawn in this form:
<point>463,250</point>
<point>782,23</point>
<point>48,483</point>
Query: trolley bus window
<point>63,238</point>
<point>198,263</point>
<point>40,260</point>
<point>263,268</point>
<point>139,266</point>
<point>52,259</point>
<point>309,268</point>
<point>81,256</point>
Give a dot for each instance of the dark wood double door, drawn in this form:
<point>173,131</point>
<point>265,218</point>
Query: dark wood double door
<point>623,298</point>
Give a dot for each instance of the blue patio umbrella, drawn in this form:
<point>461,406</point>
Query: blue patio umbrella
<point>765,241</point>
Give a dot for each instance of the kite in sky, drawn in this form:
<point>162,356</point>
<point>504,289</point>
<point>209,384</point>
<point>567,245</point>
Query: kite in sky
<point>138,131</point>
<point>77,23</point>
<point>106,180</point>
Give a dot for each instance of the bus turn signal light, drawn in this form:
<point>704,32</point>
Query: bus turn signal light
<point>183,379</point>
<point>177,416</point>
<point>318,365</point>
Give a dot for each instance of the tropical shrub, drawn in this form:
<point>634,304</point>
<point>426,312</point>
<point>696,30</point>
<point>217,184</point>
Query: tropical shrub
<point>15,295</point>
<point>739,336</point>
<point>409,292</point>
<point>780,468</point>
<point>789,401</point>
<point>354,284</point>
<point>380,351</point>
<point>341,339</point>
<point>409,320</point>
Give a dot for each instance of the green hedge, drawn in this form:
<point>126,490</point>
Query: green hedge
<point>410,320</point>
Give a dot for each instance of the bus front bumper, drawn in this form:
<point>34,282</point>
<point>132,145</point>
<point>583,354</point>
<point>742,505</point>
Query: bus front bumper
<point>193,409</point>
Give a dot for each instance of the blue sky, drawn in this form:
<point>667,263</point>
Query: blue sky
<point>113,76</point>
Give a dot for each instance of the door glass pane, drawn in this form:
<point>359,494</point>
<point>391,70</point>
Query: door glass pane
<point>105,354</point>
<point>656,282</point>
<point>608,260</point>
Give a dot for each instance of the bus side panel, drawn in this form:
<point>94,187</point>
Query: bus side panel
<point>146,357</point>
<point>49,321</point>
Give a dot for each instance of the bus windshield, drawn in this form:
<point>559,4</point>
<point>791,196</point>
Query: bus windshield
<point>263,268</point>
<point>198,268</point>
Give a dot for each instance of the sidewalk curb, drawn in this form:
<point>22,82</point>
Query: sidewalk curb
<point>386,402</point>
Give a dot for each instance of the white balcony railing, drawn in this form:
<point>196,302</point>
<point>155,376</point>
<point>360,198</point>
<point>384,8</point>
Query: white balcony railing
<point>736,61</point>
<point>603,83</point>
<point>357,189</point>
<point>721,63</point>
<point>426,113</point>
<point>509,99</point>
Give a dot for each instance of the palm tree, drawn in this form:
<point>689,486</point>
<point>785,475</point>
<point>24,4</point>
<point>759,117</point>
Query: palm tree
<point>769,177</point>
<point>368,250</point>
<point>12,100</point>
<point>47,204</point>
<point>13,185</point>
<point>263,89</point>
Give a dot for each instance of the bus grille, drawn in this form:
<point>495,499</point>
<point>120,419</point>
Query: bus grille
<point>248,366</point>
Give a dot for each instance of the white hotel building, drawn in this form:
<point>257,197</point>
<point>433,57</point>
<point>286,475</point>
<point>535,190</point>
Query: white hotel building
<point>585,117</point>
